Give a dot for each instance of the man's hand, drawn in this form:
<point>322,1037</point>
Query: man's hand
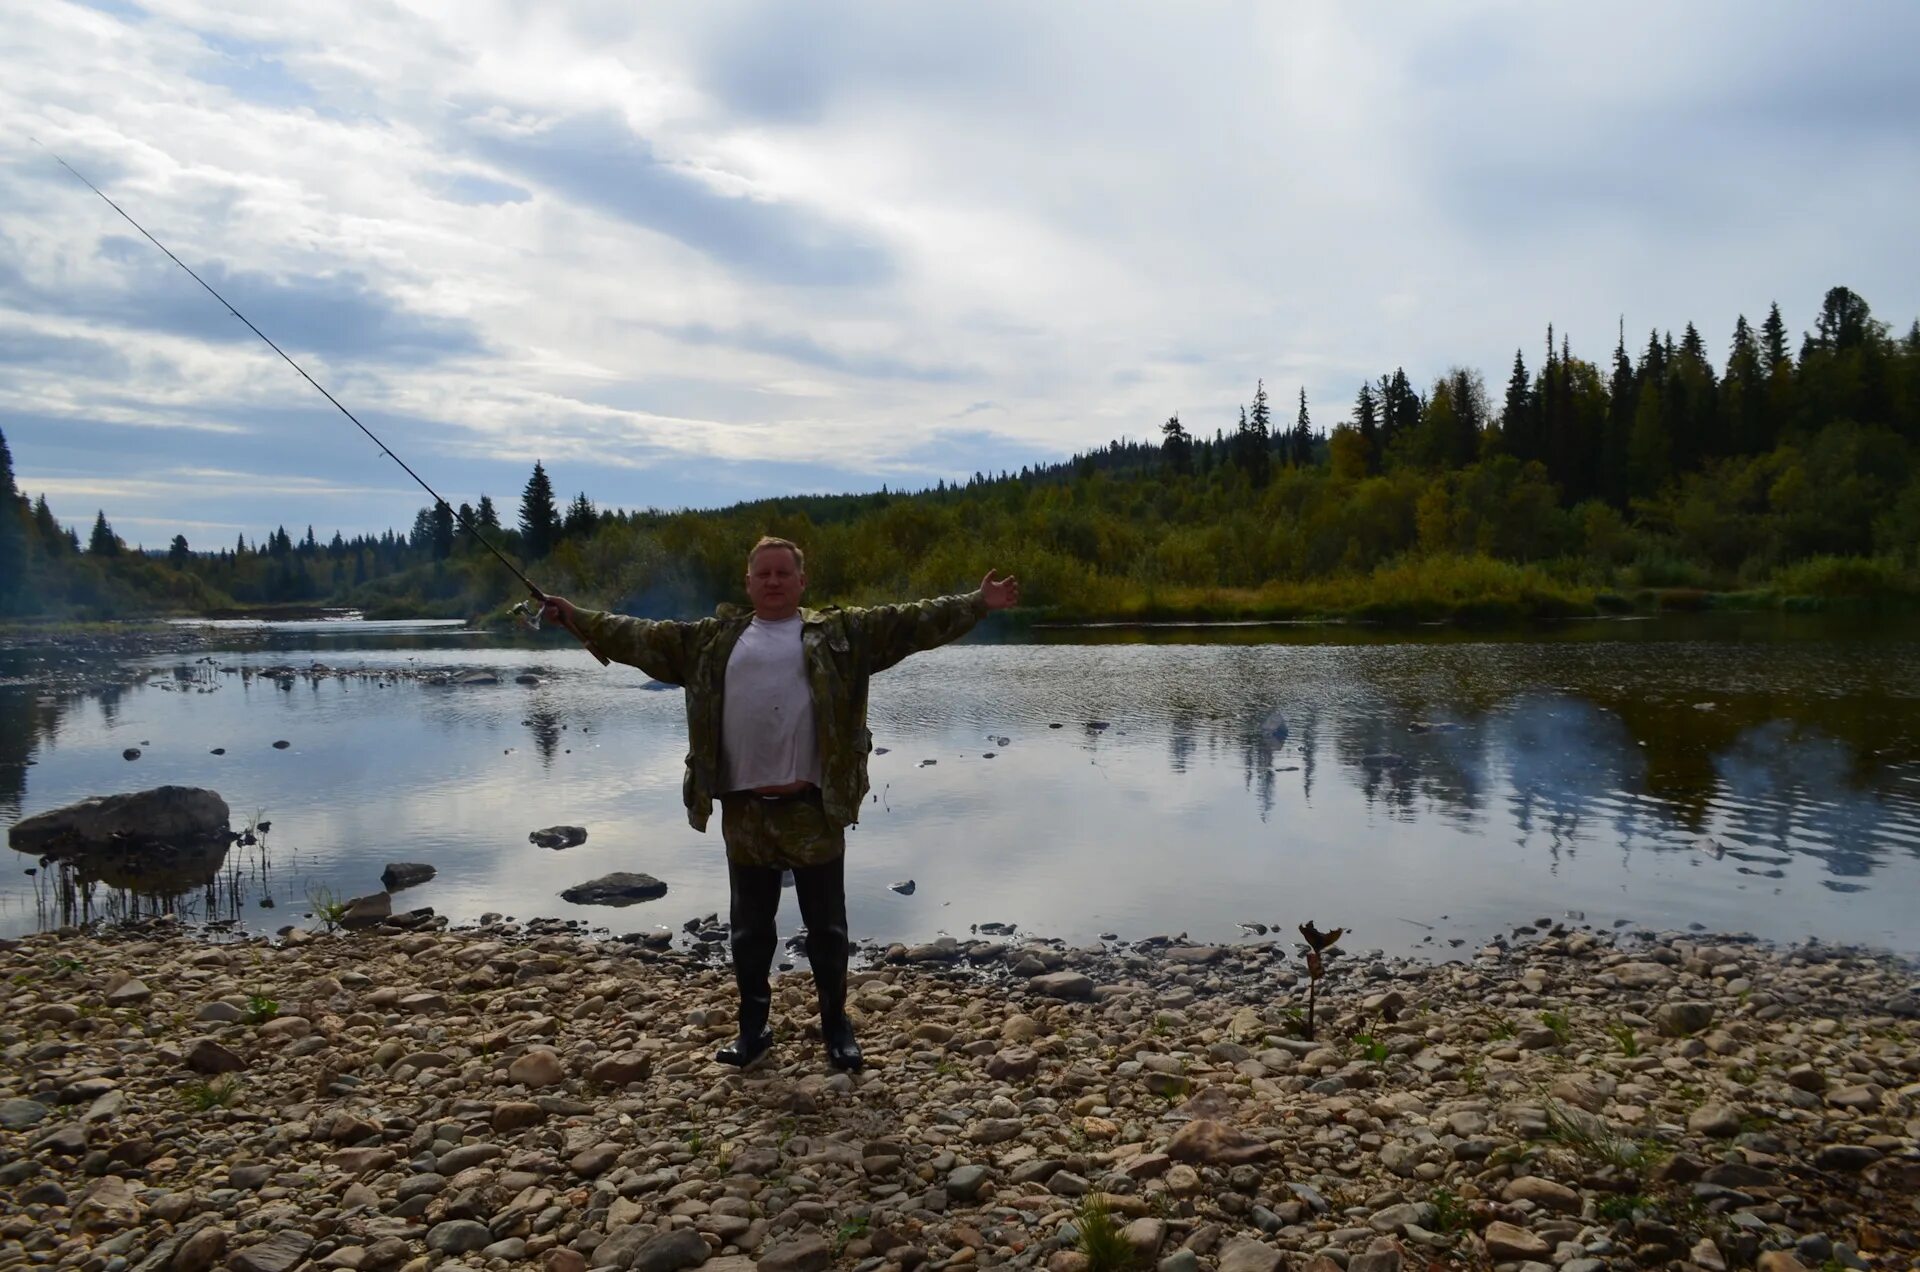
<point>558,609</point>
<point>1000,594</point>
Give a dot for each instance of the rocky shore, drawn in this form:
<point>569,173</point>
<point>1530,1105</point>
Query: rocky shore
<point>516,1096</point>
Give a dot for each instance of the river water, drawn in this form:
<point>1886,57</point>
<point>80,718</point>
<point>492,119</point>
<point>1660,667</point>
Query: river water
<point>1756,773</point>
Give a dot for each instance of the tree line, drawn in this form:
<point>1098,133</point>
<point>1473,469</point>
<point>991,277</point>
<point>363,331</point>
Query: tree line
<point>1580,484</point>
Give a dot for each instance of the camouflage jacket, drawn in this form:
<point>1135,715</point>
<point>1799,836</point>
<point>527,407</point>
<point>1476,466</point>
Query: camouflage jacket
<point>842,647</point>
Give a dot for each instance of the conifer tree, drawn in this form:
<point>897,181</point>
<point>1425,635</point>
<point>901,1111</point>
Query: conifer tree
<point>1743,395</point>
<point>1613,481</point>
<point>1519,430</point>
<point>1367,422</point>
<point>1773,334</point>
<point>581,518</point>
<point>1176,445</point>
<point>1302,448</point>
<point>442,530</point>
<point>178,554</point>
<point>539,518</point>
<point>13,533</point>
<point>103,541</point>
<point>488,518</point>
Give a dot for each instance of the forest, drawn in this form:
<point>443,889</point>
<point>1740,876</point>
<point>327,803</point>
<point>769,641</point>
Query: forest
<point>1788,476</point>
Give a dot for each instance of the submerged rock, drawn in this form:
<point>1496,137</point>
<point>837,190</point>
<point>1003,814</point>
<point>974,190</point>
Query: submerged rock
<point>904,887</point>
<point>617,889</point>
<point>405,874</point>
<point>559,837</point>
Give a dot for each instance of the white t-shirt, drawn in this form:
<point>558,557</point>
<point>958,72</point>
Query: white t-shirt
<point>767,734</point>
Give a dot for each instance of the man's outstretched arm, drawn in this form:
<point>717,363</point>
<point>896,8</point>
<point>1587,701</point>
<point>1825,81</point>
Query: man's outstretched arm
<point>894,631</point>
<point>662,649</point>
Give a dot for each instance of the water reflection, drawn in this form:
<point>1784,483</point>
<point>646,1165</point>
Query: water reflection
<point>1462,766</point>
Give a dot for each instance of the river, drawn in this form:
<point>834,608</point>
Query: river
<point>1740,773</point>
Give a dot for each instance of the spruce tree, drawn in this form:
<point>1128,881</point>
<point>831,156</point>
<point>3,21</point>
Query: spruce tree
<point>1743,395</point>
<point>1773,338</point>
<point>1366,419</point>
<point>488,518</point>
<point>1176,446</point>
<point>1302,448</point>
<point>13,533</point>
<point>442,530</point>
<point>539,519</point>
<point>1519,430</point>
<point>103,541</point>
<point>581,517</point>
<point>178,554</point>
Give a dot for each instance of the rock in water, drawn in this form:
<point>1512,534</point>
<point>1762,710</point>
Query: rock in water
<point>559,837</point>
<point>163,815</point>
<point>131,753</point>
<point>282,745</point>
<point>619,888</point>
<point>368,911</point>
<point>904,887</point>
<point>1274,727</point>
<point>405,874</point>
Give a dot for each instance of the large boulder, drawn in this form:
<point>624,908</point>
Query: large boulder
<point>164,815</point>
<point>165,841</point>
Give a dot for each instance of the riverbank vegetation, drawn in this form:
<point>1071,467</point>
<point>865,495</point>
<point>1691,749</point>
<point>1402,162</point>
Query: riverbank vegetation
<point>1653,480</point>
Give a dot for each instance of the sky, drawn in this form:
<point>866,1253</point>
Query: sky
<point>691,253</point>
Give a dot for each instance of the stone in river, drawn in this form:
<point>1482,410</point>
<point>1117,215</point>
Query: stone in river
<point>368,911</point>
<point>282,745</point>
<point>904,887</point>
<point>618,889</point>
<point>405,874</point>
<point>163,815</point>
<point>559,837</point>
<point>131,753</point>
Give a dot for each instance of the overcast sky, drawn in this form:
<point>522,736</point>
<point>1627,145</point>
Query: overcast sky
<point>693,253</point>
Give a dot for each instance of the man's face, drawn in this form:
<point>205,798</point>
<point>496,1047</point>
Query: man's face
<point>774,583</point>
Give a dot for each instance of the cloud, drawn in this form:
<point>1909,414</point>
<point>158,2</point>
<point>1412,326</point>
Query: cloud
<point>597,160</point>
<point>339,314</point>
<point>687,254</point>
<point>795,346</point>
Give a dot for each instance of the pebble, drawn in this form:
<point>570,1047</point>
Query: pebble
<point>522,1095</point>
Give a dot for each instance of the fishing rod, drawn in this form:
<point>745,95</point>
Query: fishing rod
<point>466,522</point>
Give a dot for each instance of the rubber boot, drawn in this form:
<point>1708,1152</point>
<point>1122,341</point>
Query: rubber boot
<point>823,904</point>
<point>753,904</point>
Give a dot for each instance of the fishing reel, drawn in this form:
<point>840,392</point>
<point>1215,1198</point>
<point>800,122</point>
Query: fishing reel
<point>528,614</point>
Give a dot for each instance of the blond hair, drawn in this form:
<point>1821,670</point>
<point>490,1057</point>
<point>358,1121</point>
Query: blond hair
<point>770,541</point>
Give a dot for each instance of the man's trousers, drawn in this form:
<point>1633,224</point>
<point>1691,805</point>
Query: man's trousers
<point>754,904</point>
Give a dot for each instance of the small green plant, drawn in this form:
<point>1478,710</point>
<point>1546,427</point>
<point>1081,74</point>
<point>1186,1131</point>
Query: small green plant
<point>1450,1213</point>
<point>221,1093</point>
<point>1560,1024</point>
<point>1473,1076</point>
<point>785,1129</point>
<point>1744,1074</point>
<point>946,1067</point>
<point>327,907</point>
<point>1595,1140</point>
<point>1371,1049</point>
<point>849,1230</point>
<point>1628,1040</point>
<point>694,1141</point>
<point>1499,1027</point>
<point>1620,1206</point>
<point>60,965</point>
<point>1101,1240</point>
<point>260,1009</point>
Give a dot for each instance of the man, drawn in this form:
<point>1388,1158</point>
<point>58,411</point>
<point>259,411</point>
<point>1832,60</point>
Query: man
<point>777,722</point>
